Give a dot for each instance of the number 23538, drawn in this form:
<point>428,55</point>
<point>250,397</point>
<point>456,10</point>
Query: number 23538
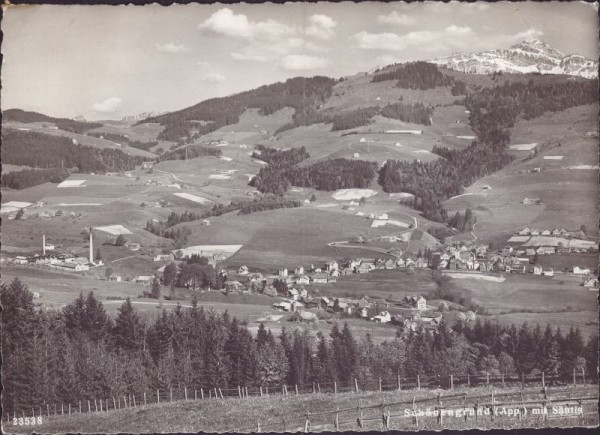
<point>27,421</point>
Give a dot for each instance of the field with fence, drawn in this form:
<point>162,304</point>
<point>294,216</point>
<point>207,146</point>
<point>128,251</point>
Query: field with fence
<point>400,403</point>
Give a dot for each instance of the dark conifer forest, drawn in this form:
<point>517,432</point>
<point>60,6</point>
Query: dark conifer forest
<point>80,352</point>
<point>32,177</point>
<point>38,150</point>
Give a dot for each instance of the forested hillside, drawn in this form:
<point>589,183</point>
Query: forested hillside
<point>80,353</point>
<point>492,112</point>
<point>18,115</point>
<point>188,124</point>
<point>38,150</point>
<point>32,177</point>
<point>416,75</point>
<point>190,152</point>
<point>328,175</point>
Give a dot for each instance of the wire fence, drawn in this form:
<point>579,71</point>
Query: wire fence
<point>447,410</point>
<point>158,396</point>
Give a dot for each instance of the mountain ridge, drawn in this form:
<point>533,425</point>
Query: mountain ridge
<point>528,56</point>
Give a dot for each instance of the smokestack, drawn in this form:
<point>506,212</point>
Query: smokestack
<point>91,246</point>
<point>43,244</point>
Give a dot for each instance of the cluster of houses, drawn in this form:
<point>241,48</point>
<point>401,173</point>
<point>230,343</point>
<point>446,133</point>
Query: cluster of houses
<point>411,312</point>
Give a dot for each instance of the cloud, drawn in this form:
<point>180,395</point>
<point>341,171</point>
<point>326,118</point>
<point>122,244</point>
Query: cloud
<point>226,23</point>
<point>215,78</point>
<point>303,62</point>
<point>530,33</point>
<point>270,51</point>
<point>321,26</point>
<point>248,56</point>
<point>107,106</point>
<point>202,64</point>
<point>379,41</point>
<point>170,48</point>
<point>396,19</point>
<point>451,36</point>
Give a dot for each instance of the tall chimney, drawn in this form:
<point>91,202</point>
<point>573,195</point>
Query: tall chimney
<point>91,246</point>
<point>43,244</point>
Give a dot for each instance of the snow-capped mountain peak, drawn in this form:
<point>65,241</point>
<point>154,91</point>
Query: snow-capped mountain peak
<point>527,56</point>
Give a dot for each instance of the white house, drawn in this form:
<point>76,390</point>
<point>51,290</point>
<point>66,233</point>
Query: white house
<point>549,272</point>
<point>243,270</point>
<point>164,257</point>
<point>383,317</point>
<point>537,270</point>
<point>580,270</point>
<point>20,260</point>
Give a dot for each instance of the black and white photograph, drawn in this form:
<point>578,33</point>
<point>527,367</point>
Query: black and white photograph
<point>299,217</point>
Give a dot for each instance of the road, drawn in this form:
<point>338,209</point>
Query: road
<point>124,258</point>
<point>473,232</point>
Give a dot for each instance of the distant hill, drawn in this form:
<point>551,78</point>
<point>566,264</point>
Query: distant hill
<point>300,93</point>
<point>532,56</point>
<point>24,116</point>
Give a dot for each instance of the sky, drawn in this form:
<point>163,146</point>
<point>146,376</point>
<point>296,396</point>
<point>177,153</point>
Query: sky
<point>105,62</point>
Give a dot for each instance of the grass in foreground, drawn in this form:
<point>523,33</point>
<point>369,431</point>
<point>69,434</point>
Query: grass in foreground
<point>276,414</point>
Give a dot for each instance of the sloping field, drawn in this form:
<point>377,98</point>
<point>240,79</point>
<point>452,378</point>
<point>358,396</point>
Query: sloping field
<point>569,197</point>
<point>282,237</point>
<point>80,138</point>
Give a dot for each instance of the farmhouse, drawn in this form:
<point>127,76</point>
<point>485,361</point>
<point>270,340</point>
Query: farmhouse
<point>524,232</point>
<point>319,278</point>
<point>580,270</point>
<point>549,272</point>
<point>143,279</point>
<point>164,257</point>
<point>243,270</point>
<point>591,283</point>
<point>537,270</point>
<point>133,246</point>
<point>382,317</point>
<point>418,302</point>
<point>71,266</point>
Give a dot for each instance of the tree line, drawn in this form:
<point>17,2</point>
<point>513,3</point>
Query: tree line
<point>210,115</point>
<point>79,352</point>
<point>38,150</point>
<point>26,117</point>
<point>189,152</point>
<point>32,177</point>
<point>123,140</point>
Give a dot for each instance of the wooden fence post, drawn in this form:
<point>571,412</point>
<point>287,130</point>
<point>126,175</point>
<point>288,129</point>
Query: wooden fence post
<point>202,393</point>
<point>115,402</point>
<point>380,385</point>
<point>418,382</point>
<point>296,388</point>
<point>257,425</point>
<point>493,407</point>
<point>48,409</point>
<point>135,406</point>
<point>583,374</point>
<point>319,388</point>
<point>209,394</point>
<point>522,380</point>
<point>452,382</point>
<point>171,393</point>
<point>337,420</point>
<point>334,387</point>
<point>415,412</point>
<point>307,422</point>
<point>145,399</point>
<point>359,419</point>
<point>503,384</point>
<point>261,393</point>
<point>195,394</point>
<point>96,405</point>
<point>79,408</point>
<point>246,388</point>
<point>399,384</point>
<point>543,381</point>
<point>313,388</point>
<point>574,378</point>
<point>157,396</point>
<point>89,407</point>
<point>239,392</point>
<point>185,392</point>
<point>221,393</point>
<point>487,379</point>
<point>468,380</point>
<point>356,384</point>
<point>70,409</point>
<point>106,404</point>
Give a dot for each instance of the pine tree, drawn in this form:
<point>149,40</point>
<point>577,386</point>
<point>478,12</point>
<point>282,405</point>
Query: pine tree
<point>128,332</point>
